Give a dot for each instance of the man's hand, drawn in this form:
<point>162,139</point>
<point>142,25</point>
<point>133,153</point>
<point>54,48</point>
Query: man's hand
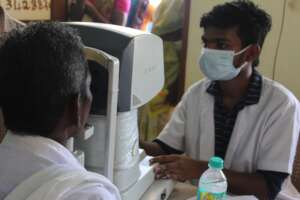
<point>151,148</point>
<point>178,167</point>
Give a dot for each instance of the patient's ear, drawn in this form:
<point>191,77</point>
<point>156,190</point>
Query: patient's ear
<point>2,126</point>
<point>73,109</point>
<point>69,123</point>
<point>72,116</point>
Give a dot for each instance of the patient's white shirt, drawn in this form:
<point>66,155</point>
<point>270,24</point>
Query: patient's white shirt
<point>23,156</point>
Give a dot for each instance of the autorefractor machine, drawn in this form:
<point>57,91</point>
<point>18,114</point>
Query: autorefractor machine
<point>127,71</point>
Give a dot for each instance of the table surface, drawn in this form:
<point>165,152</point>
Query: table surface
<point>184,191</point>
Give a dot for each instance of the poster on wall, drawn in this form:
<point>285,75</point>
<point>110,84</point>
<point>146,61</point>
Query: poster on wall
<point>28,10</point>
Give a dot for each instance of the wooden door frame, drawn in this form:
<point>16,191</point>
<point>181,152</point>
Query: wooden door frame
<point>59,10</point>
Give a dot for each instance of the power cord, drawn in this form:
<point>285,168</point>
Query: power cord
<point>280,37</point>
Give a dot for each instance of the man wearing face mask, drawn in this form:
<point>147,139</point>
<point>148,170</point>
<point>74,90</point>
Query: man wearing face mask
<point>235,113</point>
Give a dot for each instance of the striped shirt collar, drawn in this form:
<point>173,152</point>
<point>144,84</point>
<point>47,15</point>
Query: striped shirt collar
<point>253,92</point>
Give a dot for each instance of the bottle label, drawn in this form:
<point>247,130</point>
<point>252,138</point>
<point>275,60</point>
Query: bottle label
<point>203,195</point>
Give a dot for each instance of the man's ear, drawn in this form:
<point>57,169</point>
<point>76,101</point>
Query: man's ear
<point>254,53</point>
<point>68,125</point>
<point>73,111</point>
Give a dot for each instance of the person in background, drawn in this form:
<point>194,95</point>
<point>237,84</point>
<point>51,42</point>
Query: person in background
<point>235,113</point>
<point>45,98</point>
<point>167,24</point>
<point>137,13</point>
<point>147,23</point>
<point>76,10</point>
<point>104,11</point>
<point>168,21</point>
<point>7,23</point>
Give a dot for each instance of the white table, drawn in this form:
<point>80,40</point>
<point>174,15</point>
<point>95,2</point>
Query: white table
<point>184,191</point>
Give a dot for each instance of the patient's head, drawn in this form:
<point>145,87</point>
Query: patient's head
<point>44,81</point>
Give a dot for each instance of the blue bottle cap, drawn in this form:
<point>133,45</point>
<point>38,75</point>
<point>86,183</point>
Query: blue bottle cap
<point>216,163</point>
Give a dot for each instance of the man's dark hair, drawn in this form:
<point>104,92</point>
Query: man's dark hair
<point>252,23</point>
<point>42,68</point>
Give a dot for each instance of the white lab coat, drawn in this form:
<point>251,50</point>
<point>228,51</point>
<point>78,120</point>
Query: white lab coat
<point>264,137</point>
<point>35,168</point>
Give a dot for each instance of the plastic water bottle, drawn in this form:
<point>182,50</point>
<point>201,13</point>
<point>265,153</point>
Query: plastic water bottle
<point>213,183</point>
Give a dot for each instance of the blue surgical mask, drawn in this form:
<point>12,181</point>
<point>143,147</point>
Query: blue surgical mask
<point>218,64</point>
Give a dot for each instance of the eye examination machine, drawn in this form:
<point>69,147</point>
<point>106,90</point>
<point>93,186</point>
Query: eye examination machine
<point>127,71</point>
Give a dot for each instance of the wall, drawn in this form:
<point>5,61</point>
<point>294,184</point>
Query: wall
<point>287,69</point>
<point>282,46</point>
